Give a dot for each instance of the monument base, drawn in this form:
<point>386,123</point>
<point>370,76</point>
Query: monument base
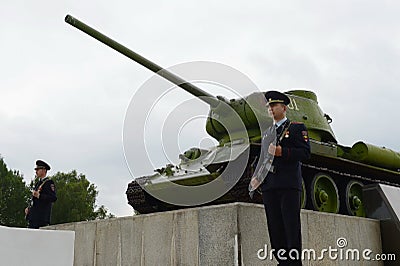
<point>230,234</point>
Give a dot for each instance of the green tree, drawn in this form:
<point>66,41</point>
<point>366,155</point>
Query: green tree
<point>76,199</point>
<point>14,197</point>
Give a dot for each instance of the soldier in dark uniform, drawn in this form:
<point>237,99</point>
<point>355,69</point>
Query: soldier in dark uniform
<point>43,196</point>
<point>281,189</point>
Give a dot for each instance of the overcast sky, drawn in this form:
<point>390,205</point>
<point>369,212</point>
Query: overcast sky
<point>64,95</point>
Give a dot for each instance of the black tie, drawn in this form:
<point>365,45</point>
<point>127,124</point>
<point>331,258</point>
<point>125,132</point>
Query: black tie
<point>279,131</point>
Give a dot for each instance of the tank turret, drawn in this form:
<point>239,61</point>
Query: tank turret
<point>332,179</point>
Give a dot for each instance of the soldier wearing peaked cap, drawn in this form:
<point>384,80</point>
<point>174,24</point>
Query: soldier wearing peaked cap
<point>273,97</point>
<point>281,188</point>
<point>43,196</point>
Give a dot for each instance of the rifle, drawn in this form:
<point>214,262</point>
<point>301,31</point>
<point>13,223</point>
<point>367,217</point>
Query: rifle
<point>266,165</point>
<point>30,204</point>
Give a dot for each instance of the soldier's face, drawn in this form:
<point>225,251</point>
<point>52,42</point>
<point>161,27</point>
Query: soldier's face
<point>277,111</point>
<point>40,172</point>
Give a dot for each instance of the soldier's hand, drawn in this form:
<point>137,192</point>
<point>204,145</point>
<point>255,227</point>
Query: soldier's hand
<point>26,211</point>
<point>254,182</point>
<point>275,150</point>
<point>36,194</point>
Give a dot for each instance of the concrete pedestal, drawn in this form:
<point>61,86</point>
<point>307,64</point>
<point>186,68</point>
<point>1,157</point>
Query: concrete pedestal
<point>231,234</point>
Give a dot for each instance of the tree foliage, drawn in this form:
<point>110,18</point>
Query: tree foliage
<point>76,199</point>
<point>14,197</point>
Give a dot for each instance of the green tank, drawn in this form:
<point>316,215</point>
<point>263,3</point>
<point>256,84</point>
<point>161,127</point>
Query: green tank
<point>333,177</point>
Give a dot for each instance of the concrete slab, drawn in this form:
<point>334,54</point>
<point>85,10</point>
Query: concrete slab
<point>108,242</point>
<point>157,239</point>
<point>218,233</point>
<point>253,229</point>
<point>131,240</point>
<point>186,238</point>
<point>36,247</point>
<point>85,243</point>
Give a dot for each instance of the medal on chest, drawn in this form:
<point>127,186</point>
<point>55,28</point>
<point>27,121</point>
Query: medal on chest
<point>287,134</point>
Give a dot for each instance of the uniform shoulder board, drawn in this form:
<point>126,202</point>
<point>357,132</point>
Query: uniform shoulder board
<point>297,123</point>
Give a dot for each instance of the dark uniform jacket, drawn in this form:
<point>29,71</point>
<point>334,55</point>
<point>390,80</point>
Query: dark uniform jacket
<point>295,148</point>
<point>40,211</point>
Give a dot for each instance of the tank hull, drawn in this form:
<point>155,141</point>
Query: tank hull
<point>341,170</point>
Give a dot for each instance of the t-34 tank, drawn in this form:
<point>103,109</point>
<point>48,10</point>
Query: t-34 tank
<point>332,178</point>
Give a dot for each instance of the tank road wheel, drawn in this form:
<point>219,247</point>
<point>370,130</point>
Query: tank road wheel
<point>303,194</point>
<point>324,194</point>
<point>352,199</point>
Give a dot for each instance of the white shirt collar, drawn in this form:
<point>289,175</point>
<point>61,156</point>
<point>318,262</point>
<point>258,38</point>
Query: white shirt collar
<point>280,122</point>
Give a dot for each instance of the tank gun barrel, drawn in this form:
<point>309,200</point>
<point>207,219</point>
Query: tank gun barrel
<point>175,79</point>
